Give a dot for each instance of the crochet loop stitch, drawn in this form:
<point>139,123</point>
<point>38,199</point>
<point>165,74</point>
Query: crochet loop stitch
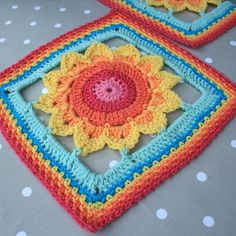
<point>181,5</point>
<point>108,97</point>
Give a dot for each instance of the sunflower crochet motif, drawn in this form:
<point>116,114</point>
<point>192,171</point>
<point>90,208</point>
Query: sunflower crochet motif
<point>105,97</point>
<point>180,5</point>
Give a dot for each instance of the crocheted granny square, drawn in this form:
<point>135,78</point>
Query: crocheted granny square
<point>205,28</point>
<point>108,97</point>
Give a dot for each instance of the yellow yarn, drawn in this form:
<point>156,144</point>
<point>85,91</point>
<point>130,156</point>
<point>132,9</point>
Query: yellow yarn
<point>89,133</point>
<point>180,5</point>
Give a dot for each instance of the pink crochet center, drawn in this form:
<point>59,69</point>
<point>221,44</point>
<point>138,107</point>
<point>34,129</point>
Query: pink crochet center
<point>109,90</point>
<point>122,83</point>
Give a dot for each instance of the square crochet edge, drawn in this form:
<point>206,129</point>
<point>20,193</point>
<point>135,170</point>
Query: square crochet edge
<point>204,30</point>
<point>95,216</point>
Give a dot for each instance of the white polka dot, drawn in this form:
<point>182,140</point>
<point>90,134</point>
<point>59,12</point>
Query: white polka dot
<point>44,90</point>
<point>161,214</point>
<point>36,8</point>
<point>26,41</point>
<point>233,43</point>
<point>14,7</point>
<point>2,40</point>
<point>21,233</point>
<point>233,143</point>
<point>113,163</point>
<point>201,176</point>
<point>208,60</point>
<point>62,9</point>
<point>153,135</point>
<point>26,192</point>
<point>113,48</point>
<point>33,23</point>
<point>208,221</point>
<point>57,25</point>
<point>143,53</point>
<point>0,146</point>
<point>8,22</point>
<point>87,11</point>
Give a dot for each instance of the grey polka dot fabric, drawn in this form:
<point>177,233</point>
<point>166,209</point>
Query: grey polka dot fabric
<point>199,200</point>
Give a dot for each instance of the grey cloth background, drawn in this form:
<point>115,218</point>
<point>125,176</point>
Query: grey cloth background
<point>186,199</point>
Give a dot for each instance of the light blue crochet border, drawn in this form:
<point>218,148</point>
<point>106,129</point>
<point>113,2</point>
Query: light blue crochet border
<point>205,21</point>
<point>97,186</point>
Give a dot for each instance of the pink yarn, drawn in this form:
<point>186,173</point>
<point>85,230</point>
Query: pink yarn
<point>109,90</point>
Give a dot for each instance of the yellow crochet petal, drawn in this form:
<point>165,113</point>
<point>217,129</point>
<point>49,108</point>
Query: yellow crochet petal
<point>127,53</point>
<point>196,5</point>
<point>91,134</point>
<point>51,80</point>
<point>150,64</point>
<point>180,5</point>
<point>154,125</point>
<point>87,143</point>
<point>58,125</point>
<point>99,52</point>
<point>71,60</point>
<point>172,102</point>
<point>215,2</point>
<point>129,139</point>
<point>46,103</point>
<point>168,80</point>
<point>175,5</point>
<point>156,3</point>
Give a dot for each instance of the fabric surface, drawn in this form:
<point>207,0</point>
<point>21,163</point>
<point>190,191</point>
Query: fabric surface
<point>186,200</point>
<point>209,22</point>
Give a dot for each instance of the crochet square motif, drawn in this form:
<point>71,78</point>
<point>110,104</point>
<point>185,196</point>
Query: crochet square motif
<point>206,28</point>
<point>94,200</point>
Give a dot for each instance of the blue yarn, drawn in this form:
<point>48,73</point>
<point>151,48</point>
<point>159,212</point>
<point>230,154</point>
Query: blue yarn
<point>224,9</point>
<point>119,181</point>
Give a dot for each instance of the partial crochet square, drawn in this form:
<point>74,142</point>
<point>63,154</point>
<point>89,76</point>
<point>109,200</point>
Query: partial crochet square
<point>94,200</point>
<point>206,28</point>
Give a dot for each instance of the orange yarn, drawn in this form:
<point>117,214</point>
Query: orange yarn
<point>105,97</point>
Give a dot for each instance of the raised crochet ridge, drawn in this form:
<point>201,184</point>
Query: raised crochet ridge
<point>105,97</point>
<point>94,200</point>
<point>208,27</point>
<point>181,5</point>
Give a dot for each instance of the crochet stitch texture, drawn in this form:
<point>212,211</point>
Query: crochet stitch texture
<point>94,200</point>
<point>181,5</point>
<point>206,28</point>
<point>105,97</point>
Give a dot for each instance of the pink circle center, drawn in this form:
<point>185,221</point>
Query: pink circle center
<point>109,90</point>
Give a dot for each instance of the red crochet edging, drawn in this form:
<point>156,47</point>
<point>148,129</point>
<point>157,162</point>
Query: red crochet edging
<point>214,129</point>
<point>158,27</point>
